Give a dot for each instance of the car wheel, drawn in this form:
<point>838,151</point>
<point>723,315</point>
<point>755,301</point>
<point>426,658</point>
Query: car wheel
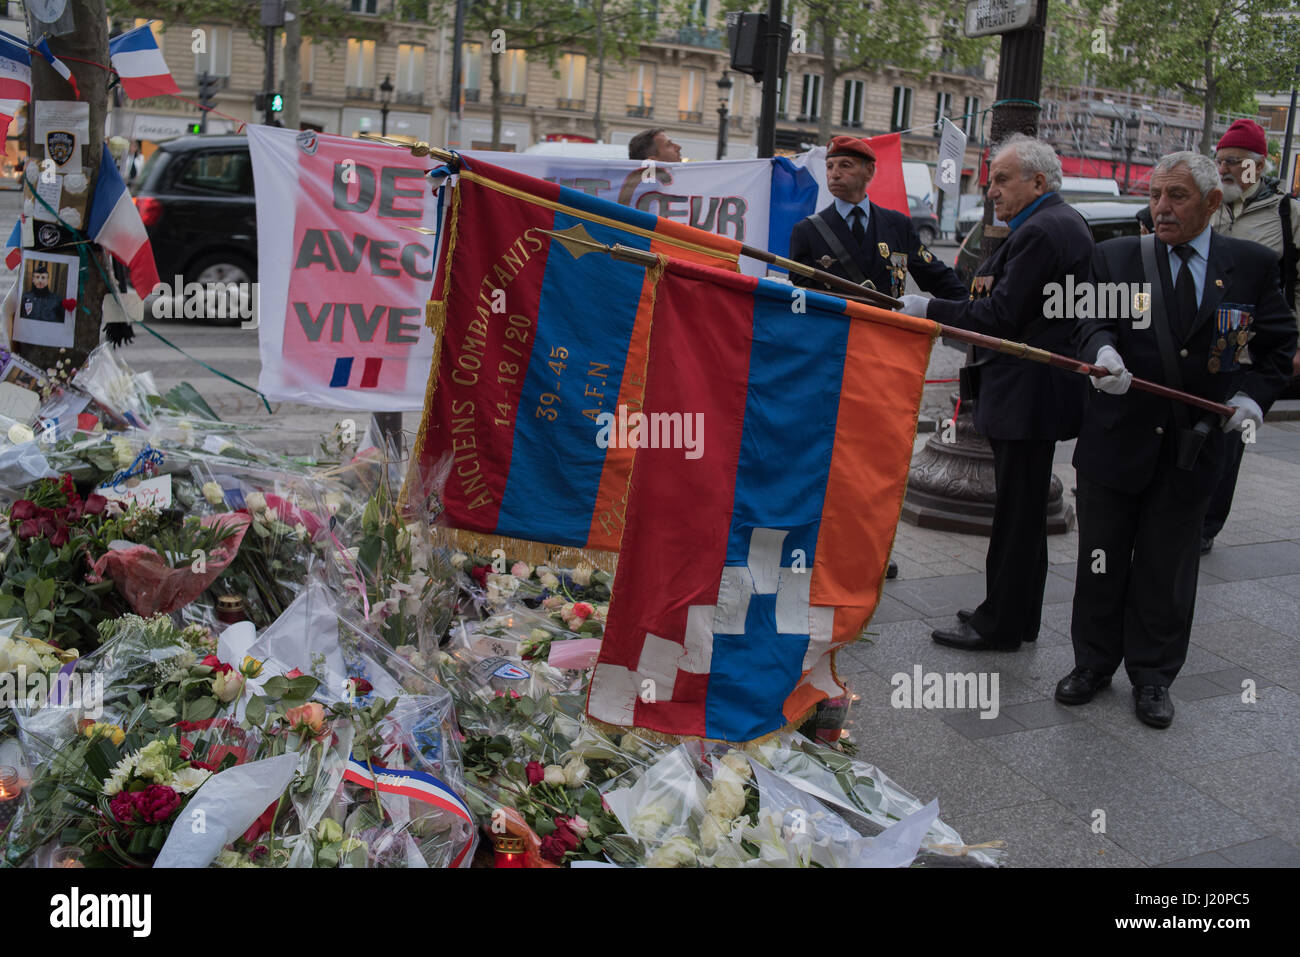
<point>927,235</point>
<point>227,268</point>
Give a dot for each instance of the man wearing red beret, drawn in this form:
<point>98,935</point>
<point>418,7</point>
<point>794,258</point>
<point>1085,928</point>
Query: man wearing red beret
<point>1255,207</point>
<point>858,240</point>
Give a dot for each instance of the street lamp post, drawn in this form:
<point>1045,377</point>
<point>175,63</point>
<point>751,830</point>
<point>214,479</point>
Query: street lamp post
<point>385,97</point>
<point>724,91</point>
<point>1132,125</point>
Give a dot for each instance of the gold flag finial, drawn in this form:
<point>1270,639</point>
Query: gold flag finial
<point>576,240</point>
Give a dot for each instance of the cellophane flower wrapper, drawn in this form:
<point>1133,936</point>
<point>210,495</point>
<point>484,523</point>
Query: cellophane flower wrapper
<point>667,803</point>
<point>118,391</point>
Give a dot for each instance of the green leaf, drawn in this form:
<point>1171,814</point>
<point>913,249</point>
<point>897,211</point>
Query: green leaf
<point>255,712</point>
<point>303,686</point>
<point>200,709</point>
<point>276,687</point>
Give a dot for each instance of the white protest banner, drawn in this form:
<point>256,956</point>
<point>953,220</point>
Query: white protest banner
<point>344,274</point>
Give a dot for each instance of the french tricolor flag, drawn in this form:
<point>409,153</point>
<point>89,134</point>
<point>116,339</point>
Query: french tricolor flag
<point>61,68</point>
<point>115,224</point>
<point>15,80</point>
<point>140,64</point>
<point>14,246</point>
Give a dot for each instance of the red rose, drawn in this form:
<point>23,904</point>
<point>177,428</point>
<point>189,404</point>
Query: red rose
<point>75,510</point>
<point>294,673</point>
<point>44,514</point>
<point>480,573</point>
<point>258,852</point>
<point>262,824</point>
<point>536,773</point>
<point>66,484</point>
<point>362,687</point>
<point>29,529</point>
<point>156,803</point>
<point>215,663</point>
<point>565,835</point>
<point>553,849</point>
<point>22,510</point>
<point>195,725</point>
<point>45,526</point>
<point>95,504</point>
<point>60,537</point>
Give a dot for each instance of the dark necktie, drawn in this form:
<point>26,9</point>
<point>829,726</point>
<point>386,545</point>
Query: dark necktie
<point>859,231</point>
<point>1185,292</point>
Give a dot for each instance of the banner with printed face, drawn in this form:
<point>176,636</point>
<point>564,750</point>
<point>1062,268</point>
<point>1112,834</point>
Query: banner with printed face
<point>346,246</point>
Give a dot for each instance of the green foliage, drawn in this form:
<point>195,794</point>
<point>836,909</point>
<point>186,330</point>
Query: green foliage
<point>321,19</point>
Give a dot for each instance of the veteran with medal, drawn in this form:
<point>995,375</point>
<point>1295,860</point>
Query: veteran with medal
<point>860,241</point>
<point>1218,327</point>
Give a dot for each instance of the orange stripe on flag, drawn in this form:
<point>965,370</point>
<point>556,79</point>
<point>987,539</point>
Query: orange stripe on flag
<point>728,249</point>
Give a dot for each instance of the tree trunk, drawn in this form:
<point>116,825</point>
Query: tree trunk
<point>495,79</point>
<point>1207,126</point>
<point>828,80</point>
<point>88,42</point>
<point>600,71</point>
<point>292,116</point>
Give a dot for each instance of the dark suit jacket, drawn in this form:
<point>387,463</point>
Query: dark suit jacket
<point>1119,446</point>
<point>883,226</point>
<point>1019,399</point>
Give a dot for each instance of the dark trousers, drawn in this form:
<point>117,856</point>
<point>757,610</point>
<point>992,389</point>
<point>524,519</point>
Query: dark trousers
<point>1135,588</point>
<point>1221,501</point>
<point>1015,569</point>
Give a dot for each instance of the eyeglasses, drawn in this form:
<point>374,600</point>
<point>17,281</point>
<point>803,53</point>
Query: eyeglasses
<point>1233,163</point>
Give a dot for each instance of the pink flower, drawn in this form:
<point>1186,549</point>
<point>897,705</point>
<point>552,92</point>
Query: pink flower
<point>582,611</point>
<point>295,673</point>
<point>156,803</point>
<point>307,718</point>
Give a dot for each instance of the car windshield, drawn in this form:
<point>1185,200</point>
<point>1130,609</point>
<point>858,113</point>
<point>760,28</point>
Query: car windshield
<point>159,158</point>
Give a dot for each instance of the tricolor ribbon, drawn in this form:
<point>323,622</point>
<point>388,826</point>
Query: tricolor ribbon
<point>418,785</point>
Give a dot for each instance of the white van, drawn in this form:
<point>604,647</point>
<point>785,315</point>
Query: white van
<point>1087,184</point>
<point>594,151</point>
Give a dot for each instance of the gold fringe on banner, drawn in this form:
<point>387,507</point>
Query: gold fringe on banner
<point>518,549</point>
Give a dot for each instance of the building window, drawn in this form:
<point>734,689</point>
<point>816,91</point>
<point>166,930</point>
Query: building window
<point>410,73</point>
<point>699,13</point>
<point>851,110</point>
<point>365,6</point>
<point>942,108</point>
<point>216,60</point>
<point>970,122</point>
<point>782,99</point>
<point>471,76</point>
<point>690,98</point>
<point>514,77</point>
<point>901,118</point>
<point>571,92</point>
<point>641,90</point>
<point>361,68</point>
<point>811,106</point>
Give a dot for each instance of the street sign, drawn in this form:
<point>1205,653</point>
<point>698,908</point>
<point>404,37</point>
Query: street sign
<point>987,17</point>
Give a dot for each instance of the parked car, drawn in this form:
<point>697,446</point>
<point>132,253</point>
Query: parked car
<point>970,210</point>
<point>1106,219</point>
<point>924,220</point>
<point>195,196</point>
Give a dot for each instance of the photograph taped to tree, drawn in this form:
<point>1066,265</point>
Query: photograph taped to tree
<point>48,280</point>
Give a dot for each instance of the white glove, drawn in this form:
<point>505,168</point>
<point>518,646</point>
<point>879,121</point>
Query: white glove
<point>1120,378</point>
<point>915,306</point>
<point>1246,409</point>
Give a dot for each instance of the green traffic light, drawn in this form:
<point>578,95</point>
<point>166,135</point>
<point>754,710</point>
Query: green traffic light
<point>277,103</point>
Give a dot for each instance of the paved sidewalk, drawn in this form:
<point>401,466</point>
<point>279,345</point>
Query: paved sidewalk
<point>1220,788</point>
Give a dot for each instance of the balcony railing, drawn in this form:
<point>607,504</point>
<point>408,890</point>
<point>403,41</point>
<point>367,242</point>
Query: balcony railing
<point>642,111</point>
<point>576,105</point>
<point>360,92</point>
<point>696,37</point>
<point>411,97</point>
<point>690,116</point>
<point>471,96</point>
<point>513,99</point>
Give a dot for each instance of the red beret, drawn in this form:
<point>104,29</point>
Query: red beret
<point>850,146</point>
<point>1246,135</point>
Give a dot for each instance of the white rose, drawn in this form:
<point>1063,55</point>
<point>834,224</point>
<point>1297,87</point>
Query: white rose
<point>554,774</point>
<point>576,773</point>
<point>649,822</point>
<point>459,559</point>
<point>550,581</point>
<point>677,852</point>
<point>228,686</point>
<point>256,502</point>
<point>712,832</point>
<point>726,800</point>
<point>582,574</point>
<point>737,762</point>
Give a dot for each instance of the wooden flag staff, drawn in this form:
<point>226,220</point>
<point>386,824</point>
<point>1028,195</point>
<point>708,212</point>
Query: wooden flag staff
<point>871,297</point>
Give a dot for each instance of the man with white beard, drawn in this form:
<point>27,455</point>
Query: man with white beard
<point>1254,208</point>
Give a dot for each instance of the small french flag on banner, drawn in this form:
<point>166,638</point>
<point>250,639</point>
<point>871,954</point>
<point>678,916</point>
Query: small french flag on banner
<point>15,80</point>
<point>61,68</point>
<point>14,247</point>
<point>342,376</point>
<point>140,64</point>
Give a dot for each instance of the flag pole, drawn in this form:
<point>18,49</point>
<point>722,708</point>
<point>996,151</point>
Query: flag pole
<point>870,297</point>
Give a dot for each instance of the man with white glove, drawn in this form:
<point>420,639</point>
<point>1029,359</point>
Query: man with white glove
<point>915,306</point>
<point>1217,326</point>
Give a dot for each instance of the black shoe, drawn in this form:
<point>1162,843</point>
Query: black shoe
<point>966,638</point>
<point>893,570</point>
<point>965,614</point>
<point>1080,685</point>
<point>1206,545</point>
<point>1154,706</point>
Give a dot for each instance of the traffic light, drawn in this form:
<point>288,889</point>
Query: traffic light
<point>208,89</point>
<point>196,128</point>
<point>277,103</point>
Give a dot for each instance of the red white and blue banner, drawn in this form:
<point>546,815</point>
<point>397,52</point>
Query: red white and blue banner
<point>114,223</point>
<point>416,785</point>
<point>346,244</point>
<point>140,64</point>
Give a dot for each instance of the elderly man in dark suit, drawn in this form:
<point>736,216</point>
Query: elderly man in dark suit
<point>1023,408</point>
<point>860,241</point>
<point>1217,326</point>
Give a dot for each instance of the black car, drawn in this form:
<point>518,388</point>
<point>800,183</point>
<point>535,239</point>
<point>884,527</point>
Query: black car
<point>1106,220</point>
<point>924,220</point>
<point>195,196</point>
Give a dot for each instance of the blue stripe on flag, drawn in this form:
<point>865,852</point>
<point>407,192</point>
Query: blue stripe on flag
<point>793,196</point>
<point>342,373</point>
<point>560,458</point>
